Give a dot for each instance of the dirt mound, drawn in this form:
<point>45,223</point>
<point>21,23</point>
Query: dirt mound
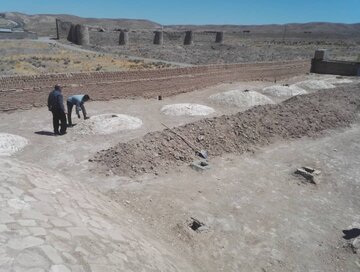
<point>280,90</point>
<point>10,144</point>
<point>306,115</point>
<point>107,124</point>
<point>315,85</point>
<point>186,109</point>
<point>240,98</point>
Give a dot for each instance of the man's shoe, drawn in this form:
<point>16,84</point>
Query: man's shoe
<point>62,133</point>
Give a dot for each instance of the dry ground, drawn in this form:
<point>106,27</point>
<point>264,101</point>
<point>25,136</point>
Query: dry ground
<point>237,49</point>
<point>27,57</point>
<point>56,214</point>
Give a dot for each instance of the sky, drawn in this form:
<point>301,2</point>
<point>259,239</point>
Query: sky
<point>198,11</point>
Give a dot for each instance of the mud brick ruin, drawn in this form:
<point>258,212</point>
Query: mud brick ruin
<point>320,64</point>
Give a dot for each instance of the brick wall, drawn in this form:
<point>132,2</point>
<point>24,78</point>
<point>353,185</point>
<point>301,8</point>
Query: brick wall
<point>344,68</point>
<point>24,92</point>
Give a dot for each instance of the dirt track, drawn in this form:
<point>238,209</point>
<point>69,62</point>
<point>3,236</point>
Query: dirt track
<point>306,115</point>
<point>26,92</point>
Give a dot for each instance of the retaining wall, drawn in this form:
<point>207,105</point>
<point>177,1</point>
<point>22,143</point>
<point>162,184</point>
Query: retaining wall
<point>24,92</point>
<point>334,67</point>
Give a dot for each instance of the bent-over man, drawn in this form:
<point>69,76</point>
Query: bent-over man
<point>77,101</point>
<point>56,106</point>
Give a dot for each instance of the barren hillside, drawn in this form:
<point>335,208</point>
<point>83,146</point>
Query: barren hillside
<point>44,24</point>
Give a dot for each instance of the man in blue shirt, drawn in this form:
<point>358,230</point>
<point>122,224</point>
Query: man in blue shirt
<point>56,106</point>
<point>77,101</point>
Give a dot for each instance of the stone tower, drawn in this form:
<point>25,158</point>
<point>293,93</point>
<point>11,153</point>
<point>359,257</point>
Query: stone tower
<point>219,37</point>
<point>158,37</point>
<point>188,38</point>
<point>124,37</point>
<point>82,35</point>
<point>72,34</point>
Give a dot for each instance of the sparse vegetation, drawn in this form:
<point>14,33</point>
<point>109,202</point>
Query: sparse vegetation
<point>30,57</point>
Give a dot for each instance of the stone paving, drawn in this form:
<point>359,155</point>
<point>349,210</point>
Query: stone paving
<point>50,223</point>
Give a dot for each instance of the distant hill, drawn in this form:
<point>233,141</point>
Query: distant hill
<point>44,24</point>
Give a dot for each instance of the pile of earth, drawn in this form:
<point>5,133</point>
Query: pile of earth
<point>186,109</point>
<point>107,124</point>
<point>10,144</point>
<point>305,115</point>
<point>241,99</point>
<point>283,90</point>
<point>315,85</point>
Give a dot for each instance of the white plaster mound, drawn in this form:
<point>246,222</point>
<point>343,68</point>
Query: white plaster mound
<point>10,144</point>
<point>107,124</point>
<point>240,98</point>
<point>315,84</point>
<point>335,80</point>
<point>280,90</point>
<point>186,109</point>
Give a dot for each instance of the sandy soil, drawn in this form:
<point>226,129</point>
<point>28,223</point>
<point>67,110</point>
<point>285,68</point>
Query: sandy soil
<point>258,215</point>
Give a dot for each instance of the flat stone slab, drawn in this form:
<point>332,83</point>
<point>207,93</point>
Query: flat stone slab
<point>309,173</point>
<point>200,165</point>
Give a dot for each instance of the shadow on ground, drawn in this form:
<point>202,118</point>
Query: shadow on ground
<point>44,133</point>
<point>350,234</point>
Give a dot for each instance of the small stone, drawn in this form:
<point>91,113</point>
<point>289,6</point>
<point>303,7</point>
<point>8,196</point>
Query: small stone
<point>38,231</point>
<point>31,214</point>
<point>16,191</point>
<point>18,204</point>
<point>3,228</point>
<point>27,223</point>
<point>22,243</point>
<point>79,232</point>
<point>29,199</point>
<point>57,222</point>
<point>200,165</point>
<point>309,174</point>
<point>59,268</point>
<point>52,254</point>
<point>5,218</point>
<point>62,234</point>
<point>31,258</point>
<point>82,251</point>
<point>69,258</point>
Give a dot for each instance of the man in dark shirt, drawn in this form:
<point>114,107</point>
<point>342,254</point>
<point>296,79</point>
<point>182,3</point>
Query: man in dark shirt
<point>56,106</point>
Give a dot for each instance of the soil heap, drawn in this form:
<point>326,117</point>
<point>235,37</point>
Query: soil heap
<point>304,115</point>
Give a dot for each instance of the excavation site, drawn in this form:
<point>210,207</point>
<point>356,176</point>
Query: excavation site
<point>128,145</point>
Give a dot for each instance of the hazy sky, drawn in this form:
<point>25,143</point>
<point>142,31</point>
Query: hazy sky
<point>199,11</point>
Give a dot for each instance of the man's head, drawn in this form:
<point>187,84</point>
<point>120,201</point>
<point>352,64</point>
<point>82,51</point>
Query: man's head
<point>86,98</point>
<point>57,87</point>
